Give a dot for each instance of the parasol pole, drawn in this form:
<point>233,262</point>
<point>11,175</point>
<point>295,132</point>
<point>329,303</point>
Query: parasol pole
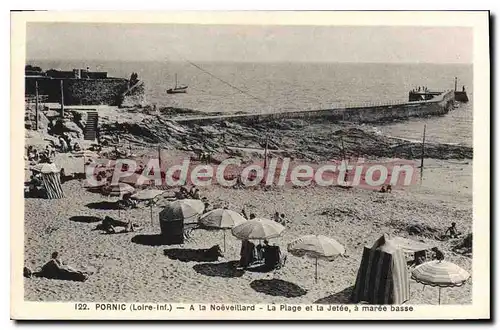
<point>151,211</point>
<point>224,230</point>
<point>439,296</point>
<point>316,274</point>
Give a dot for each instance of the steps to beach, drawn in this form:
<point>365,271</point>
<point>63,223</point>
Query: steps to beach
<point>90,132</point>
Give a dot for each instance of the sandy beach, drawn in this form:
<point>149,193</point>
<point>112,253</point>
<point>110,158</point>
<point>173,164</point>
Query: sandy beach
<point>126,269</point>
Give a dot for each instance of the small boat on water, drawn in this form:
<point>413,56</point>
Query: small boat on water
<point>177,89</point>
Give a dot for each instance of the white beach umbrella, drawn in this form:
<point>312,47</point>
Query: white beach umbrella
<point>317,247</point>
<point>148,195</point>
<point>45,168</point>
<point>86,154</point>
<point>440,273</point>
<point>120,189</point>
<point>258,229</point>
<point>186,209</point>
<point>223,219</point>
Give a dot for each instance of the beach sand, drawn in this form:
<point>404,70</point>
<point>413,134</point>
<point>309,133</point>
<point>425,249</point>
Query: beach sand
<point>132,272</point>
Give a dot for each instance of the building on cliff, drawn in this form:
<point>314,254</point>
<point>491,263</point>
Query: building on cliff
<point>84,87</point>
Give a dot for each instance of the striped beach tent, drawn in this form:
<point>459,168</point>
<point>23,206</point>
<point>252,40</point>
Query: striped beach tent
<point>382,276</point>
<point>51,180</point>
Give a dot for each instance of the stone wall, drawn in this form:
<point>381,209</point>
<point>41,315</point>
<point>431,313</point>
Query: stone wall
<point>80,91</point>
<point>440,105</point>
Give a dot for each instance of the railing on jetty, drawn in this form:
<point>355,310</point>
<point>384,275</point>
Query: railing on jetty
<point>370,104</point>
<point>343,111</point>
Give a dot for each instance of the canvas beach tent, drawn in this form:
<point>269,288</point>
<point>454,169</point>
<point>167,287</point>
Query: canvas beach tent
<point>175,215</point>
<point>51,179</point>
<point>382,276</point>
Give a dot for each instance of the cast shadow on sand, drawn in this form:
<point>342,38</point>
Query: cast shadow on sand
<point>198,255</point>
<point>85,218</point>
<point>104,205</point>
<point>149,240</point>
<point>223,269</point>
<point>341,297</point>
<point>276,287</point>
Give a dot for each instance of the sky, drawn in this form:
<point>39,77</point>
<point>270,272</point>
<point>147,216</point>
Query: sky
<point>248,43</point>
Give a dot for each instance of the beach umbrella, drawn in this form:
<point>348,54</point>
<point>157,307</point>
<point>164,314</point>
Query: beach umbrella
<point>258,229</point>
<point>148,195</point>
<point>45,168</point>
<point>136,180</point>
<point>119,190</point>
<point>185,209</point>
<point>223,219</point>
<point>440,273</point>
<point>317,247</point>
<point>86,154</point>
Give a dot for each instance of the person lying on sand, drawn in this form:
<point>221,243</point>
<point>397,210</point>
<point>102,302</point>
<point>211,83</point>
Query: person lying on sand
<point>109,224</point>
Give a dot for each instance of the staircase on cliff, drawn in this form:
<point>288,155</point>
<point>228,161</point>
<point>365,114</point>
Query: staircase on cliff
<point>90,132</point>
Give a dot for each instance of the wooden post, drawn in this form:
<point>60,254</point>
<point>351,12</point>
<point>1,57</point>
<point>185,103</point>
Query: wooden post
<point>224,230</point>
<point>62,100</point>
<point>36,105</point>
<point>316,272</point>
<point>151,211</point>
<point>343,157</point>
<point>455,84</point>
<point>159,157</point>
<point>422,155</point>
<point>265,153</point>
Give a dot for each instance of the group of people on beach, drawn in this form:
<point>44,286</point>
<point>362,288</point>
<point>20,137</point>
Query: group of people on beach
<point>184,193</point>
<point>263,256</point>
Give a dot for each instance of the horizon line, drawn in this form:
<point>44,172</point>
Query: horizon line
<point>245,61</point>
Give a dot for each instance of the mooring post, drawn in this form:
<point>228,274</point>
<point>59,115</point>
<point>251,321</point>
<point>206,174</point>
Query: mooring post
<point>36,105</point>
<point>62,100</point>
<point>455,84</point>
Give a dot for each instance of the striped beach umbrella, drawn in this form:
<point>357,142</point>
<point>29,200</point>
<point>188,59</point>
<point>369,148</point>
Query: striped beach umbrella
<point>440,273</point>
<point>258,229</point>
<point>316,247</point>
<point>222,219</point>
